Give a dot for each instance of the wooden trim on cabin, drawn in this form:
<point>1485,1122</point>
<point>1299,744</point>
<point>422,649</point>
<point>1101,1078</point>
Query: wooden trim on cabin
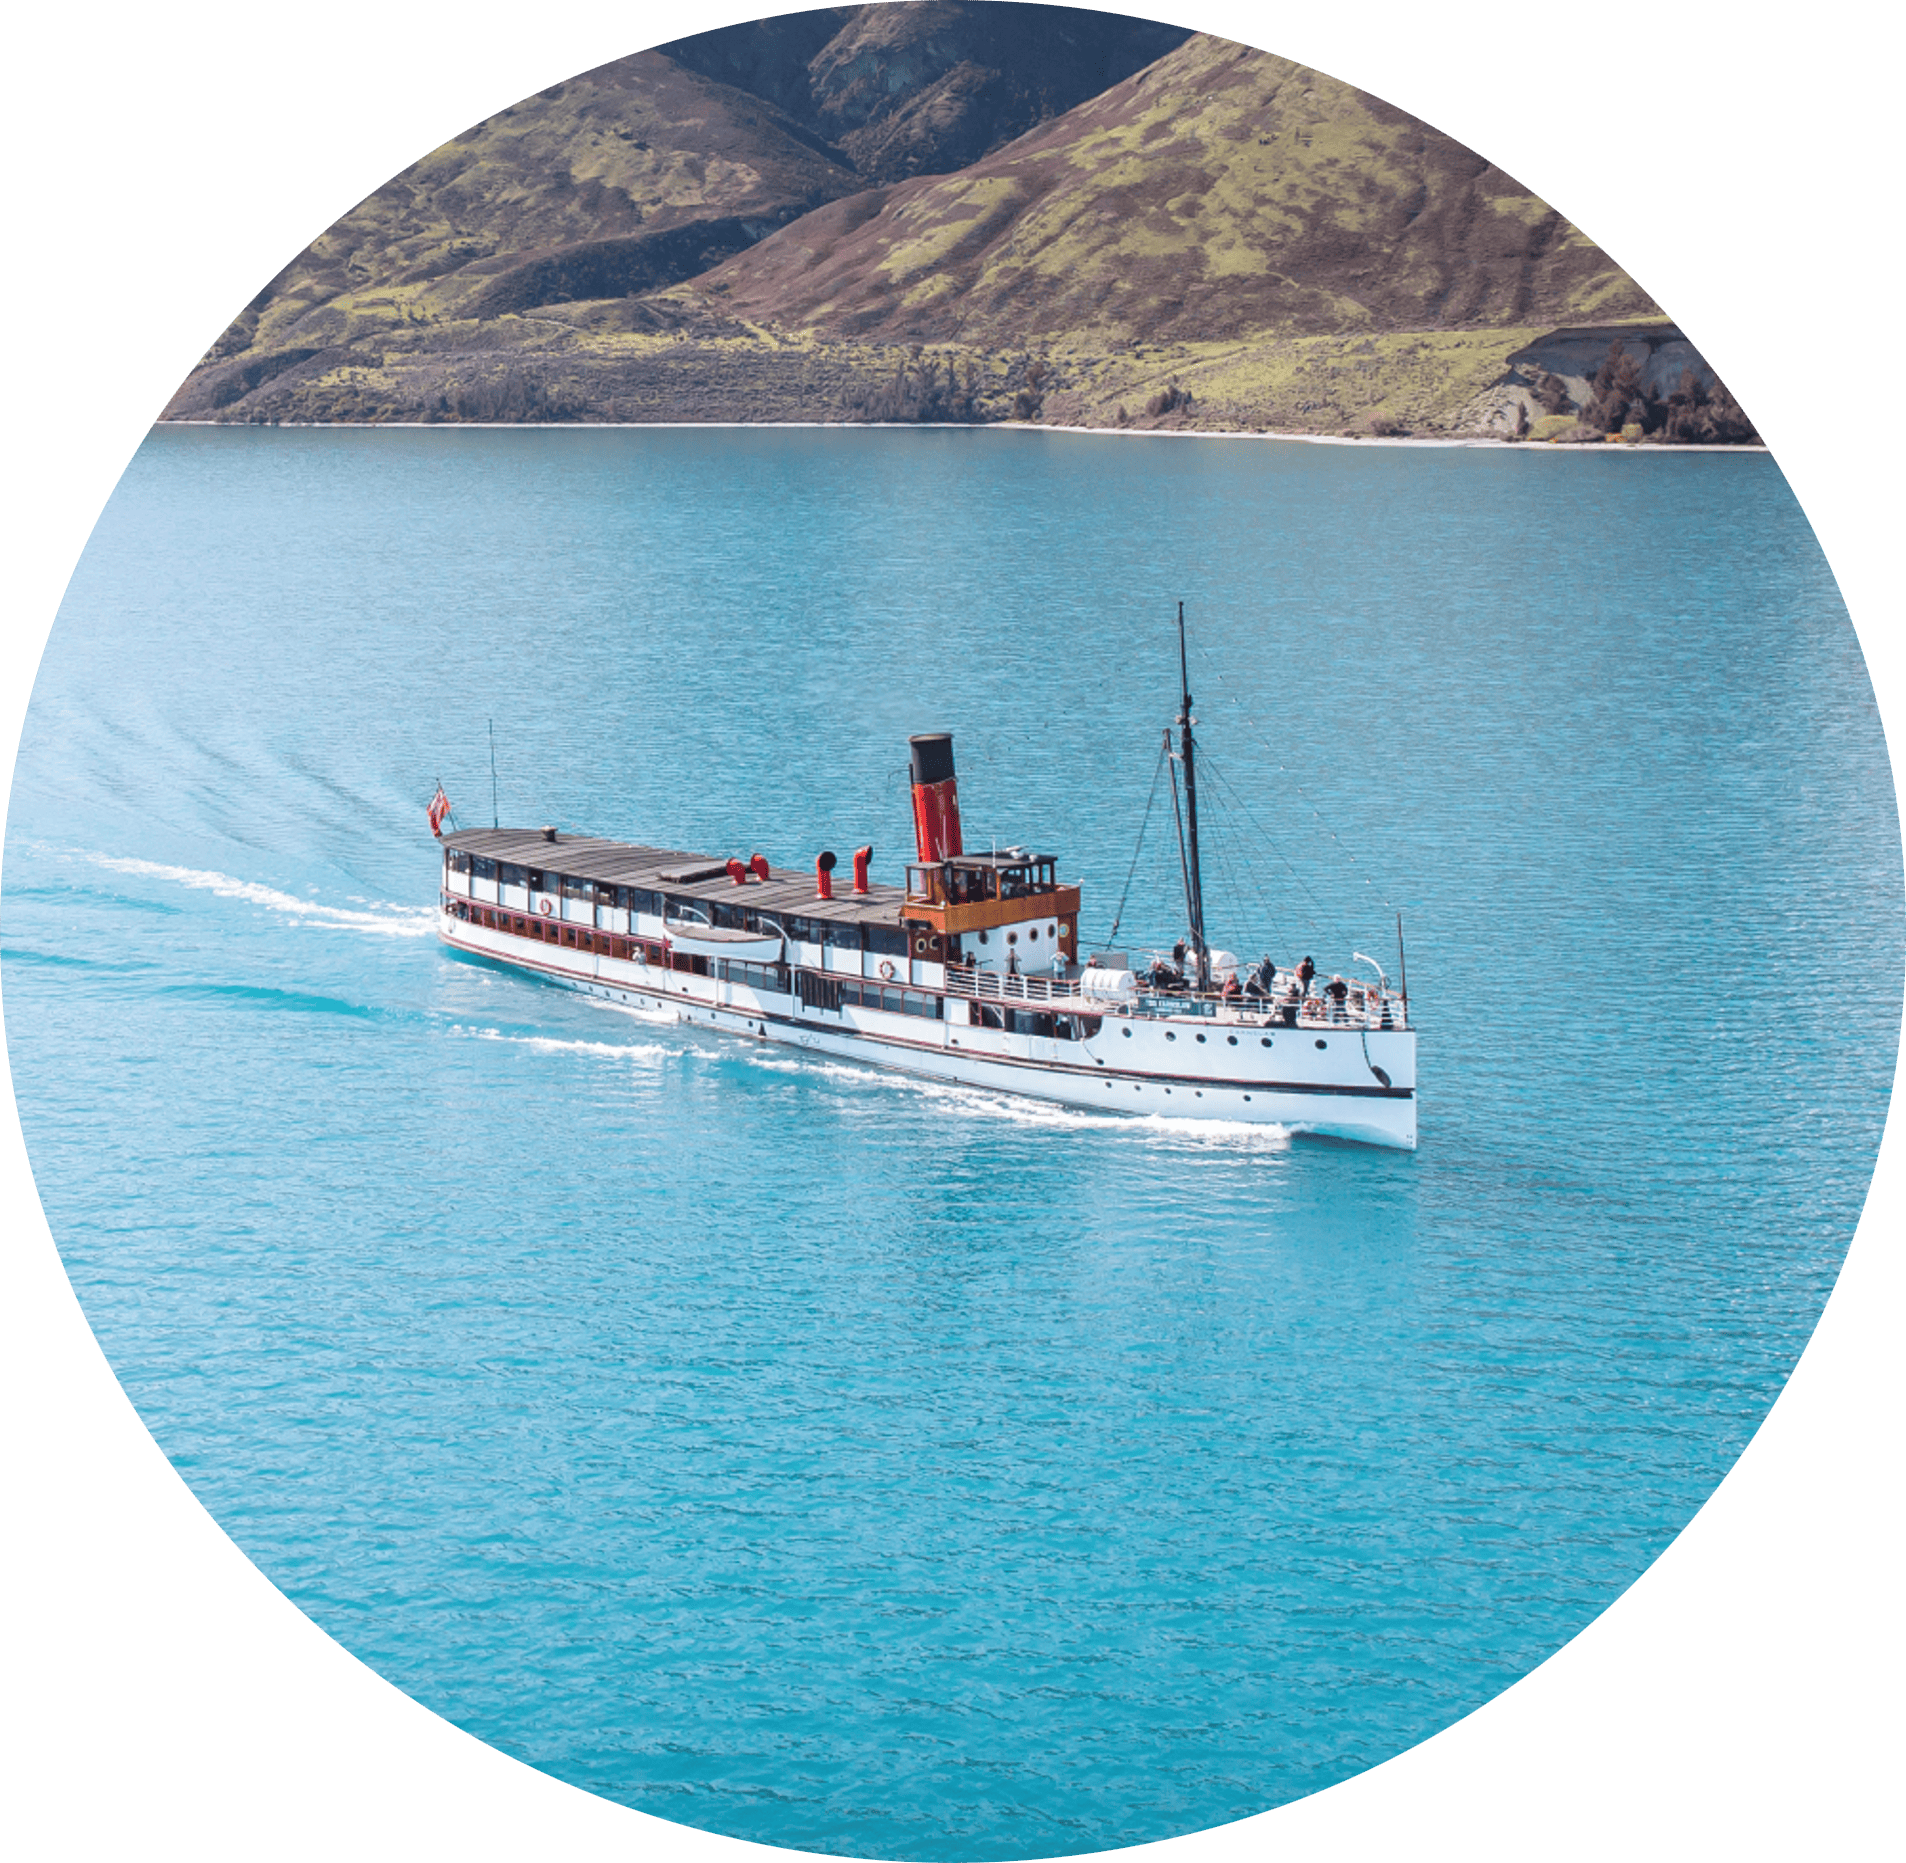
<point>985,914</point>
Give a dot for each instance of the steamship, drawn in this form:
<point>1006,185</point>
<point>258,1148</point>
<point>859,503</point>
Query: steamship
<point>970,973</point>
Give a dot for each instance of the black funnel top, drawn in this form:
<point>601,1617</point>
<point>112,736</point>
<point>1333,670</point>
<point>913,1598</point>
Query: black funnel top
<point>932,757</point>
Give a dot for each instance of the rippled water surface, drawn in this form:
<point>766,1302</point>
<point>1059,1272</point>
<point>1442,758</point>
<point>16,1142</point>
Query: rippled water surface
<point>886,1470</point>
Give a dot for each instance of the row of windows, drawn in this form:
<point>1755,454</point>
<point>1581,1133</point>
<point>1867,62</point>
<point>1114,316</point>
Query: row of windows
<point>1030,1022</point>
<point>894,1002</point>
<point>555,931</point>
<point>755,976</point>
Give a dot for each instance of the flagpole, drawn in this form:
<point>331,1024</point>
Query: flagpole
<point>495,819</point>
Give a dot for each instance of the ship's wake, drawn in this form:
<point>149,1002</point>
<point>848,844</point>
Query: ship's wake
<point>364,915</point>
<point>552,1044</point>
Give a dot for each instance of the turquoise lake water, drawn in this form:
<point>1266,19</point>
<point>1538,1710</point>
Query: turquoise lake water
<point>886,1470</point>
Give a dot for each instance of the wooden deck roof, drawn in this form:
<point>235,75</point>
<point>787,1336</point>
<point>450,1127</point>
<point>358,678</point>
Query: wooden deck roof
<point>683,875</point>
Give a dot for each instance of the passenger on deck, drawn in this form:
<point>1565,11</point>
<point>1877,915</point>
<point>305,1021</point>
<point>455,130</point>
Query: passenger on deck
<point>1233,990</point>
<point>1338,991</point>
<point>1305,972</point>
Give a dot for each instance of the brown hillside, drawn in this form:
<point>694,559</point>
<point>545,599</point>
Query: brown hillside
<point>625,178</point>
<point>930,86</point>
<point>1221,192</point>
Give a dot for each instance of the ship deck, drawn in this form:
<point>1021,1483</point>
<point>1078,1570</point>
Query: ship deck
<point>678,873</point>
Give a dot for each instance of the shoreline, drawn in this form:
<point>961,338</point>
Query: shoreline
<point>1440,441</point>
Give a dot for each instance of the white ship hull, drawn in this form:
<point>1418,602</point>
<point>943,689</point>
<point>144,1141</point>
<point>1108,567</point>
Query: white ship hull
<point>1327,1077</point>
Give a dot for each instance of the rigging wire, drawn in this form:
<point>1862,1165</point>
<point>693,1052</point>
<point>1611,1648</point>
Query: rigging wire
<point>1267,887</point>
<point>1325,914</point>
<point>1234,867</point>
<point>1283,770</point>
<point>1118,917</point>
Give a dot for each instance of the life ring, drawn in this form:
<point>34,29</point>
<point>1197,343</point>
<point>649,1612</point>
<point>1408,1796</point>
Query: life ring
<point>547,907</point>
<point>886,968</point>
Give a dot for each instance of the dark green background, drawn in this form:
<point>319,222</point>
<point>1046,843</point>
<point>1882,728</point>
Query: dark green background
<point>162,164</point>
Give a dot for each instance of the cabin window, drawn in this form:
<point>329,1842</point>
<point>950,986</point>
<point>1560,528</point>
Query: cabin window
<point>508,874</point>
<point>842,937</point>
<point>887,940</point>
<point>537,880</point>
<point>584,890</point>
<point>482,868</point>
<point>605,896</point>
<point>642,900</point>
<point>755,976</point>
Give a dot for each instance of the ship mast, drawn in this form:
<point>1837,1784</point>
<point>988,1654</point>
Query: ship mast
<point>1194,885</point>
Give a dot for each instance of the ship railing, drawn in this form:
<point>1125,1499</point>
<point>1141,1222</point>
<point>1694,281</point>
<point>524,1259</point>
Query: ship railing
<point>1370,1011</point>
<point>995,986</point>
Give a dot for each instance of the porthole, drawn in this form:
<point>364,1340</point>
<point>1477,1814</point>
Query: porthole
<point>1322,1043</point>
<point>1033,935</point>
<point>983,938</point>
<point>1201,1093</point>
<point>1263,1041</point>
<point>1127,1033</point>
<point>1171,1034</point>
<point>1201,1037</point>
<point>1012,937</point>
<point>1232,1039</point>
<point>1247,1099</point>
<point>1168,1090</point>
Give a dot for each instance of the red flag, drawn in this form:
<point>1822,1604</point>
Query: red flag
<point>439,808</point>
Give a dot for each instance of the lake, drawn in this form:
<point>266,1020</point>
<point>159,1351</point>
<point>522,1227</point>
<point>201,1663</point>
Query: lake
<point>867,1467</point>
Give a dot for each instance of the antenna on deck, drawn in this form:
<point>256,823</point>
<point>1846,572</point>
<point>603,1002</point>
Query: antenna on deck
<point>495,819</point>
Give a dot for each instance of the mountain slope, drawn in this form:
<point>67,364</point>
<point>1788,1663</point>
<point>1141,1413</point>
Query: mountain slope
<point>634,149</point>
<point>928,87</point>
<point>1219,193</point>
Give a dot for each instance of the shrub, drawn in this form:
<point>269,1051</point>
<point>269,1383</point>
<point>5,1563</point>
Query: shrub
<point>1169,400</point>
<point>924,388</point>
<point>1551,393</point>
